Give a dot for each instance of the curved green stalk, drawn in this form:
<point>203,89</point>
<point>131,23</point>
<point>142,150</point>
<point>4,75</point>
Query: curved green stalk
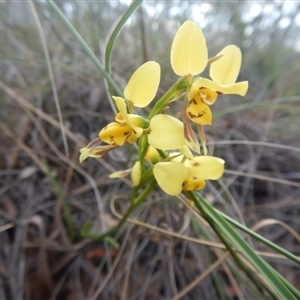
<point>109,48</point>
<point>143,147</point>
<point>86,48</point>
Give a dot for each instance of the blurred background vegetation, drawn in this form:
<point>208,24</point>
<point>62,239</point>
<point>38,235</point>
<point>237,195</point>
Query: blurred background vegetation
<point>46,196</point>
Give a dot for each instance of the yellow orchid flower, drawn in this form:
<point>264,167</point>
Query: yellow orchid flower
<point>189,57</point>
<point>164,132</point>
<point>140,91</point>
<point>126,129</point>
<point>175,176</point>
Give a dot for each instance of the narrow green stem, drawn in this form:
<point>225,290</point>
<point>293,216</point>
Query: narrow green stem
<point>143,147</point>
<point>109,48</point>
<point>163,101</point>
<point>148,176</point>
<point>86,48</point>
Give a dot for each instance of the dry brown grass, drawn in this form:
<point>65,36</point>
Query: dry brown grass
<point>164,253</point>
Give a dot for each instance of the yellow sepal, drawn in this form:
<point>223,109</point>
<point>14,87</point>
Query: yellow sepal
<point>189,52</point>
<point>143,84</point>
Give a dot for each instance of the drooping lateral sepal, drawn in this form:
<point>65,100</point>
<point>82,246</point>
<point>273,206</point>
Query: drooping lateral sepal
<point>94,149</point>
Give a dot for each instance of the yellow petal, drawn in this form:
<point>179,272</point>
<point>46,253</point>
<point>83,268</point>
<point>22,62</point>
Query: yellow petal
<point>205,167</point>
<point>136,173</point>
<point>166,133</point>
<point>199,112</point>
<point>121,105</point>
<point>189,51</point>
<point>239,88</point>
<point>170,176</point>
<point>143,84</point>
<point>227,68</point>
<point>208,96</point>
<point>117,134</point>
